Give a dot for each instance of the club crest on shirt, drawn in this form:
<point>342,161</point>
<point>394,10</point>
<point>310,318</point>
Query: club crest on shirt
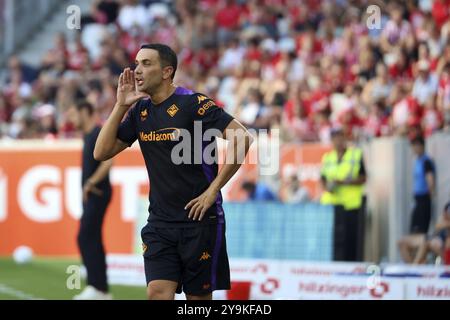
<point>173,109</point>
<point>205,256</point>
<point>144,115</point>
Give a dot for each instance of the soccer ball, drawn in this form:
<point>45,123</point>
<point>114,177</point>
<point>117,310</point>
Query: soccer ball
<point>23,255</point>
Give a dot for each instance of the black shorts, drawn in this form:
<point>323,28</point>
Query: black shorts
<point>195,257</point>
<point>421,214</point>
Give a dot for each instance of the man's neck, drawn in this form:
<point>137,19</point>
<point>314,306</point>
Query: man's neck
<point>163,93</point>
<point>88,126</point>
<point>341,152</point>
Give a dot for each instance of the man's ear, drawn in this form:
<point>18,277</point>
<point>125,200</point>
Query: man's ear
<point>167,72</point>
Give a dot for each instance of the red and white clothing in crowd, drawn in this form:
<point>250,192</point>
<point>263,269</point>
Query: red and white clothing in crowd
<point>309,46</point>
<point>228,16</point>
<point>394,32</point>
<point>298,120</point>
<point>165,33</point>
<point>303,129</point>
<point>431,121</point>
<point>206,59</point>
<point>377,124</point>
<point>350,122</point>
<point>401,74</point>
<point>444,91</point>
<point>318,100</point>
<point>271,64</point>
<point>440,12</point>
<point>416,19</point>
<point>132,42</point>
<point>406,112</point>
<point>78,58</point>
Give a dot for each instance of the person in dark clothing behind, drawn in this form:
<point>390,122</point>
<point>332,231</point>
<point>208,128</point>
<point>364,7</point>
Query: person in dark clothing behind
<point>102,11</point>
<point>108,9</point>
<point>27,73</point>
<point>96,197</point>
<point>424,175</point>
<point>258,191</point>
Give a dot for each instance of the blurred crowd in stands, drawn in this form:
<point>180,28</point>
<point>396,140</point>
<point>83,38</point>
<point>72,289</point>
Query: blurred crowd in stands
<point>298,66</point>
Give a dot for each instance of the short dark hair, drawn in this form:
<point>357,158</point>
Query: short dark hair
<point>167,56</point>
<point>418,140</point>
<point>249,186</point>
<point>336,131</point>
<point>85,105</point>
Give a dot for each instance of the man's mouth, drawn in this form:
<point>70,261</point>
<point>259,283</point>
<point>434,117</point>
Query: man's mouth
<point>139,82</point>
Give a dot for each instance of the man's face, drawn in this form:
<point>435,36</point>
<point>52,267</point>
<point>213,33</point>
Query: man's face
<point>74,117</point>
<point>397,15</point>
<point>338,141</point>
<point>149,72</point>
<point>417,148</point>
<point>14,63</point>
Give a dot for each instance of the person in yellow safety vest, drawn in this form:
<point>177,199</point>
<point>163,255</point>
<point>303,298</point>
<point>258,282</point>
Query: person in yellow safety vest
<point>343,176</point>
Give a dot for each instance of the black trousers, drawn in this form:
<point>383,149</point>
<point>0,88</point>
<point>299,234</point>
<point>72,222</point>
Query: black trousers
<point>348,235</point>
<point>90,239</point>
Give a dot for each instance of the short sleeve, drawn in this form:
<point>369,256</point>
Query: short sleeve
<point>211,115</point>
<point>428,166</point>
<point>127,128</point>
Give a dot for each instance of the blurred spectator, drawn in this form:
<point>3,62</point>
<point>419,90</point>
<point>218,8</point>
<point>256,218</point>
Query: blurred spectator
<point>258,191</point>
<point>443,94</point>
<point>294,191</point>
<point>424,175</point>
<point>133,16</point>
<point>379,87</point>
<point>439,241</point>
<point>106,11</point>
<point>232,56</point>
<point>227,19</point>
<point>426,84</point>
<point>45,116</point>
<point>78,55</point>
<point>440,12</point>
<point>102,11</point>
<point>398,31</point>
<point>377,122</point>
<point>27,73</point>
<point>297,66</point>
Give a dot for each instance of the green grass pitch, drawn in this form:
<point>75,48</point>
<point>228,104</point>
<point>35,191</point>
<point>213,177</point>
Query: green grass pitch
<point>46,278</point>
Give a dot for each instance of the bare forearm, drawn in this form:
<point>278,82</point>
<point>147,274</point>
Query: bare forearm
<point>354,182</point>
<point>430,183</point>
<point>225,174</point>
<point>442,225</point>
<point>107,136</point>
<point>358,181</point>
<point>235,156</point>
<point>101,172</point>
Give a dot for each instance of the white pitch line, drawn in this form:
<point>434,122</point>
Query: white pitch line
<point>16,293</point>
